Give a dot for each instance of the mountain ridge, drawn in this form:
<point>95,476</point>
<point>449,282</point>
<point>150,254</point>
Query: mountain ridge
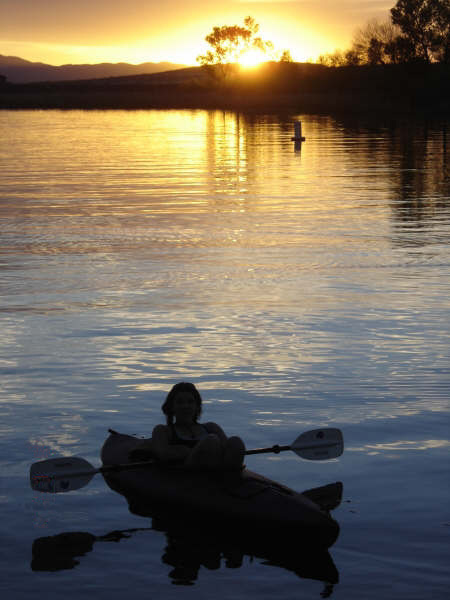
<point>19,70</point>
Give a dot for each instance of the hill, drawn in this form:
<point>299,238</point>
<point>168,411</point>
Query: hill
<point>18,70</point>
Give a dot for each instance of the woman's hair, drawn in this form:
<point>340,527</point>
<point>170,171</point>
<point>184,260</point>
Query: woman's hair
<point>179,388</point>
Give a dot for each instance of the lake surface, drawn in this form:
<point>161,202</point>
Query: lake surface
<point>296,287</point>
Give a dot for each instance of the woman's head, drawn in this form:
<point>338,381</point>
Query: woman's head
<point>177,395</point>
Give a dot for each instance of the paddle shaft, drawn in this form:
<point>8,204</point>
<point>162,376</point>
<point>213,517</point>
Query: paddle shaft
<point>106,469</point>
<point>276,449</point>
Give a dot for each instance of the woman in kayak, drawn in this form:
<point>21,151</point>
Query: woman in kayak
<point>185,439</point>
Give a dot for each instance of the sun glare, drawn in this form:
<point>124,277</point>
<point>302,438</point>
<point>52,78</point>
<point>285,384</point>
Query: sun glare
<point>252,58</point>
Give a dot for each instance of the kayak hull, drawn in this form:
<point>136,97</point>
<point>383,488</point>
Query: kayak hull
<point>243,498</point>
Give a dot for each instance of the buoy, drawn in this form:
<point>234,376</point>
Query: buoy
<point>297,132</point>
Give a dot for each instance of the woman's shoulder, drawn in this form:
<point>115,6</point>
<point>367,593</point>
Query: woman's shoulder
<point>160,429</point>
<point>212,427</point>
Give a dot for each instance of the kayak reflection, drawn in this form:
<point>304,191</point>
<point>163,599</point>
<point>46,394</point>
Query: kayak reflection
<point>60,552</point>
<point>189,548</point>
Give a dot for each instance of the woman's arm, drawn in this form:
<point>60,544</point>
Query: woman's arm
<point>143,450</point>
<point>163,449</point>
<point>216,430</point>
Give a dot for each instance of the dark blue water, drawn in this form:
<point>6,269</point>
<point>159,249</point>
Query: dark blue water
<point>297,289</point>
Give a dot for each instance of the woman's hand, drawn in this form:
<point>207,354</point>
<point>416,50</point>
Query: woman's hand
<point>140,454</point>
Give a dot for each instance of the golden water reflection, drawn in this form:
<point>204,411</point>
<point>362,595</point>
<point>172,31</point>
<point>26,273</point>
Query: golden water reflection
<point>148,246</point>
<point>114,178</point>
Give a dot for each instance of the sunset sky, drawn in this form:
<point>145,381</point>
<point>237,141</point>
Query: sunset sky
<point>135,31</point>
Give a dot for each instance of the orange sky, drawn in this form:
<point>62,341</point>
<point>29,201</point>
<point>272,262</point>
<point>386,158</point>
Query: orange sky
<point>90,31</point>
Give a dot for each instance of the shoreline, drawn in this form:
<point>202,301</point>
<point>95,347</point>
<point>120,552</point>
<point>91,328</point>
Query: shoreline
<point>144,99</point>
<point>307,88</point>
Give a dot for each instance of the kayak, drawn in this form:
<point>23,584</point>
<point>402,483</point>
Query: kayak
<point>241,497</point>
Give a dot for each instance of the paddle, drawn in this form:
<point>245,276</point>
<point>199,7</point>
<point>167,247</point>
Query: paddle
<point>318,444</point>
<point>66,474</point>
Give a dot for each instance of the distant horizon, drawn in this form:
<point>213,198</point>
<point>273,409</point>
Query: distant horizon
<point>120,62</point>
<point>105,62</point>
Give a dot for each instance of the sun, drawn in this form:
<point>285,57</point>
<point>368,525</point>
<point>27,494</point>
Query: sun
<point>252,58</point>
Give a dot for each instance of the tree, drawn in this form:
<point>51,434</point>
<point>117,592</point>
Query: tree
<point>399,50</point>
<point>286,56</point>
<point>333,59</point>
<point>441,17</point>
<point>229,42</point>
<point>417,30</point>
<point>425,24</point>
<point>351,58</point>
<point>369,42</point>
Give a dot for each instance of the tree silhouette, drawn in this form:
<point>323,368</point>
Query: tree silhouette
<point>286,56</point>
<point>425,25</point>
<point>369,42</point>
<point>229,42</point>
<point>419,30</point>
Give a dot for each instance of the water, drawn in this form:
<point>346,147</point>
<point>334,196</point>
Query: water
<point>296,288</point>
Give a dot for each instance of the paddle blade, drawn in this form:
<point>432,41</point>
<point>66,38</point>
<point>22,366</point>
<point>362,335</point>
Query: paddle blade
<point>57,475</point>
<point>319,444</point>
